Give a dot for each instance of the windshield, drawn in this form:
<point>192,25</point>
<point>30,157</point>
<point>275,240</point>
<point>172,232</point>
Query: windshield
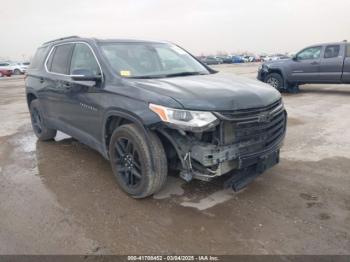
<point>150,60</point>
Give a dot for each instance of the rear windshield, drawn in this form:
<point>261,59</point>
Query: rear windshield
<point>142,59</point>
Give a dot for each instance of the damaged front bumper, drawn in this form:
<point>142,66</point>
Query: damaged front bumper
<point>243,144</point>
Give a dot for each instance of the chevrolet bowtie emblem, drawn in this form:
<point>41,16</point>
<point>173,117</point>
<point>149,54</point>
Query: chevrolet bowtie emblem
<point>264,118</point>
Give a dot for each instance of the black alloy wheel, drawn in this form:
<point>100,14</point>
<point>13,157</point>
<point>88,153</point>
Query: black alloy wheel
<point>128,162</point>
<point>138,163</point>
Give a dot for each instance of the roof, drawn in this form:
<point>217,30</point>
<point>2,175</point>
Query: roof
<point>331,43</point>
<point>77,38</point>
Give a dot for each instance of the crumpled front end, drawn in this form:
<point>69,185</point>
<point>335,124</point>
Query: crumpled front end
<point>244,144</point>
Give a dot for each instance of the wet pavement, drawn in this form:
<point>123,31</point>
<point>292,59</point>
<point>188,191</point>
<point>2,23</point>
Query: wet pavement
<point>60,197</point>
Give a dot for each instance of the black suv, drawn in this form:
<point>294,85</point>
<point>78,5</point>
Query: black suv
<point>149,106</point>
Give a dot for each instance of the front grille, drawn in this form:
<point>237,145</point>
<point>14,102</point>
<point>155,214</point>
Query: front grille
<point>251,113</point>
<point>254,130</point>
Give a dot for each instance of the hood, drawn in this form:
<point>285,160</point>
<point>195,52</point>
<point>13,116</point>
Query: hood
<point>277,62</point>
<point>212,92</point>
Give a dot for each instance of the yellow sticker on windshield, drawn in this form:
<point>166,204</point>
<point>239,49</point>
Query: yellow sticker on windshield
<point>125,73</point>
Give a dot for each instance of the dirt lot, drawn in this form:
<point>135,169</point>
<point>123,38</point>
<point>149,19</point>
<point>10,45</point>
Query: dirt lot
<point>61,198</point>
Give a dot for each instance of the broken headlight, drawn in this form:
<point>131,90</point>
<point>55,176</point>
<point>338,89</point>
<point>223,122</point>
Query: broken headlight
<point>185,119</point>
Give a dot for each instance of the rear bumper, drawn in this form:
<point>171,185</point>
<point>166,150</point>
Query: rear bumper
<point>7,72</point>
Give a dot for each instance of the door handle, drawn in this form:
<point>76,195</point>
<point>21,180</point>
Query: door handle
<point>42,80</point>
<point>314,63</point>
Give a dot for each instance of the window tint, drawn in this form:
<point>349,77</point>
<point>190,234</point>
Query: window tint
<point>61,58</point>
<point>83,58</point>
<point>348,50</point>
<point>310,53</point>
<point>331,51</point>
<point>38,58</point>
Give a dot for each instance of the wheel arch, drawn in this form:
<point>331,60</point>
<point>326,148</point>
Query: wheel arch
<point>276,71</point>
<point>115,118</point>
<point>279,71</point>
<point>30,97</point>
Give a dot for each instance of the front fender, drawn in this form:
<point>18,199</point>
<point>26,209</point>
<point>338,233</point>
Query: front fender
<point>143,121</point>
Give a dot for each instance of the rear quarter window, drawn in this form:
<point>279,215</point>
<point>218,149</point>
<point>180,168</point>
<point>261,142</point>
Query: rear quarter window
<point>39,58</point>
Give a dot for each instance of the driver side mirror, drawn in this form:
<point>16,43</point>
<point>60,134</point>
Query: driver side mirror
<point>85,75</point>
<point>294,58</point>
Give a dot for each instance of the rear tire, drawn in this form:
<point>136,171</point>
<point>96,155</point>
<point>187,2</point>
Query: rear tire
<point>131,160</point>
<point>42,132</point>
<point>275,80</point>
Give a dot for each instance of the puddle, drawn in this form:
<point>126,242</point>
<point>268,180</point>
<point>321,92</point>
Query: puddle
<point>27,143</point>
<point>211,200</point>
<point>172,187</point>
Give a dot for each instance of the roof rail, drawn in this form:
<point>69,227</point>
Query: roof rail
<point>62,38</point>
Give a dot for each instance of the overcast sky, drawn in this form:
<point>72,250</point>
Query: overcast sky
<point>200,26</point>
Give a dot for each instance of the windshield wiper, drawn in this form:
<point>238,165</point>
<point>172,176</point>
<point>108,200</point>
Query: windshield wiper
<point>185,74</point>
<point>168,75</point>
<point>147,77</point>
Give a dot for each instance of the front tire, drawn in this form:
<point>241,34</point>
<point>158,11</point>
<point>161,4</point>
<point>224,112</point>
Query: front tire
<point>42,132</point>
<point>275,80</point>
<point>16,72</point>
<point>131,161</point>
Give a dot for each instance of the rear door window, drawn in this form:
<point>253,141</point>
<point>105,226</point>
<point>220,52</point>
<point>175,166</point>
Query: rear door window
<point>59,59</point>
<point>348,50</point>
<point>331,51</point>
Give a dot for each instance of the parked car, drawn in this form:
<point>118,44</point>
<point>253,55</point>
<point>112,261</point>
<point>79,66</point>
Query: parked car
<point>257,58</point>
<point>220,59</point>
<point>123,99</point>
<point>324,63</point>
<point>237,59</point>
<point>227,59</point>
<point>266,58</point>
<point>16,68</point>
<point>210,60</point>
<point>23,66</point>
<point>245,59</point>
<point>278,57</point>
<point>5,72</point>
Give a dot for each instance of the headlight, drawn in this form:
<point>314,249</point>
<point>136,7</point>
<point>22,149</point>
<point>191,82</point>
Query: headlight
<point>183,118</point>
